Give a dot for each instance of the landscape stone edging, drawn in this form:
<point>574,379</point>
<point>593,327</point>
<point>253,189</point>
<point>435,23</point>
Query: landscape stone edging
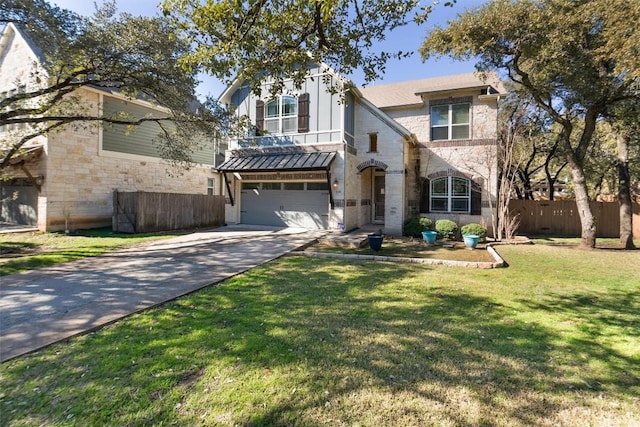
<point>468,264</point>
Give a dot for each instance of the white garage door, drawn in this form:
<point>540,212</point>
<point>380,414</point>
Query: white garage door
<point>286,204</point>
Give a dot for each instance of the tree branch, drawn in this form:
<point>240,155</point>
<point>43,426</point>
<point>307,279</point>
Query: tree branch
<point>18,145</point>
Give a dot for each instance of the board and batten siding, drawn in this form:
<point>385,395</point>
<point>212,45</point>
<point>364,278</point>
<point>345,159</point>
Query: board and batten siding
<point>325,108</point>
<point>142,140</point>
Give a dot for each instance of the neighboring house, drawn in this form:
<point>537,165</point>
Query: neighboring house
<point>332,156</point>
<point>66,180</point>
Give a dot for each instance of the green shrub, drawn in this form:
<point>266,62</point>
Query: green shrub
<point>474,228</point>
<point>415,226</point>
<point>446,228</point>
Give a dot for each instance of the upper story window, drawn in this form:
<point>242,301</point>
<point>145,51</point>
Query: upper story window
<point>281,115</point>
<point>373,142</point>
<point>450,194</point>
<point>451,121</point>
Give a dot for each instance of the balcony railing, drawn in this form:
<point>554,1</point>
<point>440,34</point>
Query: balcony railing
<point>266,141</point>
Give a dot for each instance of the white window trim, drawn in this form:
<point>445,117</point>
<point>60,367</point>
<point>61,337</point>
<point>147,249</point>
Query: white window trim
<point>279,119</point>
<point>449,195</point>
<point>450,123</point>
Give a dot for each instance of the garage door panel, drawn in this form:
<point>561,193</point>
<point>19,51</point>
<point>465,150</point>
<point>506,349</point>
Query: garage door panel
<point>19,203</point>
<point>303,219</point>
<point>286,208</point>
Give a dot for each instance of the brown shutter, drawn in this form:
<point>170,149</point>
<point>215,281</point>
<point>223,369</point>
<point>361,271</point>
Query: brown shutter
<point>260,115</point>
<point>425,188</point>
<point>476,197</point>
<point>303,113</point>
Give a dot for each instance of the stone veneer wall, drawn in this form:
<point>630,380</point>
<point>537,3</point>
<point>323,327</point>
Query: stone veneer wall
<point>391,152</point>
<point>476,157</point>
<point>80,179</point>
<point>19,65</point>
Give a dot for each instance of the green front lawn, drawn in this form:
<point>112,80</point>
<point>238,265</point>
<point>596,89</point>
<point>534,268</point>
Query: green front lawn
<point>30,251</point>
<point>412,248</point>
<point>551,340</point>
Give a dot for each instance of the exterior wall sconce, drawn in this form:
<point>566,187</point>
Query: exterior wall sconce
<point>336,184</point>
<point>40,180</point>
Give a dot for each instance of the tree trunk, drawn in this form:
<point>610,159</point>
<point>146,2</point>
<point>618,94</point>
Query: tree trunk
<point>624,194</point>
<point>587,221</point>
<point>551,181</point>
<point>575,160</point>
<point>525,180</point>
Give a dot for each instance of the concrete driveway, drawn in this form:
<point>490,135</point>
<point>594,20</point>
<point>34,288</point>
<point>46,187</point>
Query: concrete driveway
<point>40,307</point>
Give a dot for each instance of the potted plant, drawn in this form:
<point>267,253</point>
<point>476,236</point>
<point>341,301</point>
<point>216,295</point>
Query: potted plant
<point>470,240</point>
<point>472,234</point>
<point>429,236</point>
<point>375,240</point>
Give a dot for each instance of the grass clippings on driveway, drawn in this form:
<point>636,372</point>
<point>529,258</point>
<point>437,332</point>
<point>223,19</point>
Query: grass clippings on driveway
<point>551,340</point>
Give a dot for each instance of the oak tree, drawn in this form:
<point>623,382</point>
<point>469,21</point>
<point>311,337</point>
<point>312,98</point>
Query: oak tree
<point>577,59</point>
<point>252,39</point>
<point>131,55</point>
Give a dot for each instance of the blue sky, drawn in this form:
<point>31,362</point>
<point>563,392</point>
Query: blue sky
<point>407,38</point>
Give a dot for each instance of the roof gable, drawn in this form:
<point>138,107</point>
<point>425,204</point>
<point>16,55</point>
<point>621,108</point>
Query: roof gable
<point>238,83</point>
<point>13,32</point>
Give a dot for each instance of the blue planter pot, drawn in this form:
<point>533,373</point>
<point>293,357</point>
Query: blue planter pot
<point>375,241</point>
<point>471,240</point>
<point>429,237</point>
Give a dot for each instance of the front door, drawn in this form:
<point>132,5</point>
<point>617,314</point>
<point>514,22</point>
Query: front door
<point>378,197</point>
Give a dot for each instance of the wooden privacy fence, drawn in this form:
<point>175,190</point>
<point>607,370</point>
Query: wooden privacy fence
<point>142,212</point>
<point>561,218</point>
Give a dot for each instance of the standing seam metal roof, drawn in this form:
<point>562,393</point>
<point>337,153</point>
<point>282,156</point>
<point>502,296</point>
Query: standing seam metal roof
<point>278,162</point>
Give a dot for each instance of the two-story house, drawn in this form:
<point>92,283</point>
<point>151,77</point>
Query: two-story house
<point>328,155</point>
<point>66,179</point>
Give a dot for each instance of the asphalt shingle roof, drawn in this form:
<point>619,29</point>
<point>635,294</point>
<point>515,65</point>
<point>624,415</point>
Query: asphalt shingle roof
<point>408,93</point>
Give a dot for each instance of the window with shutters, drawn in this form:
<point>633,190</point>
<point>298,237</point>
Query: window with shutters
<point>281,115</point>
<point>450,194</point>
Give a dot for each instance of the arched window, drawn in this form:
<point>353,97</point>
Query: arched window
<point>281,115</point>
<point>450,194</point>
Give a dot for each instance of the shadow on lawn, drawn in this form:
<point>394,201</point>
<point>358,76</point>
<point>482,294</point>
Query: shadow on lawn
<point>595,317</point>
<point>356,342</point>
